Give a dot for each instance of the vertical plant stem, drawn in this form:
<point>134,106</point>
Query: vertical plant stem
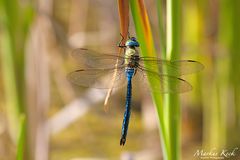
<point>161,28</point>
<point>214,109</point>
<point>10,89</point>
<point>21,138</point>
<point>171,101</point>
<point>235,56</point>
<point>123,10</point>
<point>144,35</point>
<point>15,21</point>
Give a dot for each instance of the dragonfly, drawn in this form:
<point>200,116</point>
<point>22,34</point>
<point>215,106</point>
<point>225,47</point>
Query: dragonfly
<point>101,67</point>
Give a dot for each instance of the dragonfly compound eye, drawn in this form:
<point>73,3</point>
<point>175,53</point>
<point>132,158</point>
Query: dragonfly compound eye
<point>132,42</point>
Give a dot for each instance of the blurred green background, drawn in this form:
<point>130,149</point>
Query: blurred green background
<point>43,116</point>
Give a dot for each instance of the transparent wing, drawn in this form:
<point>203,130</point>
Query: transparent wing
<point>98,78</point>
<point>174,68</point>
<point>164,83</point>
<point>93,59</point>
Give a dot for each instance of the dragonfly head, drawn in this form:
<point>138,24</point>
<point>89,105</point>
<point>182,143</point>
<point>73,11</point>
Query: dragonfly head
<point>132,42</point>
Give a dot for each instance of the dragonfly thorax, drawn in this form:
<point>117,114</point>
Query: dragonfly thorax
<point>131,58</point>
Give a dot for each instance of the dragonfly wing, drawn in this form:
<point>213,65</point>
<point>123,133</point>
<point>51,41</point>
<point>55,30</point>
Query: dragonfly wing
<point>164,83</point>
<point>174,68</point>
<point>94,59</point>
<point>98,78</point>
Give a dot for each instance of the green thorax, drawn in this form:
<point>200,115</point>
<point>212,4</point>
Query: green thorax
<point>129,53</point>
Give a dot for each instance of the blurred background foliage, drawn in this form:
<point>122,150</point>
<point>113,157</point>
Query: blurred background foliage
<point>43,116</point>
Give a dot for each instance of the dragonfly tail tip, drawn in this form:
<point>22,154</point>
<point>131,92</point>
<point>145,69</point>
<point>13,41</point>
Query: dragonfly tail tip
<point>122,141</point>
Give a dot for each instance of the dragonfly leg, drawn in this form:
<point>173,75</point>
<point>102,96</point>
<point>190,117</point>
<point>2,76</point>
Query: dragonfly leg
<point>120,43</point>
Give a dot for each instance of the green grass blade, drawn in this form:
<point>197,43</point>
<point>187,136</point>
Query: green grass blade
<point>171,101</point>
<point>235,48</point>
<point>161,28</point>
<point>10,88</point>
<point>145,38</point>
<point>16,18</point>
<point>21,138</point>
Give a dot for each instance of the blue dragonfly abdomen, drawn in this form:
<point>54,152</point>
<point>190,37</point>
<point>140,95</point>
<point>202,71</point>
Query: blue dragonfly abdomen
<point>129,74</point>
